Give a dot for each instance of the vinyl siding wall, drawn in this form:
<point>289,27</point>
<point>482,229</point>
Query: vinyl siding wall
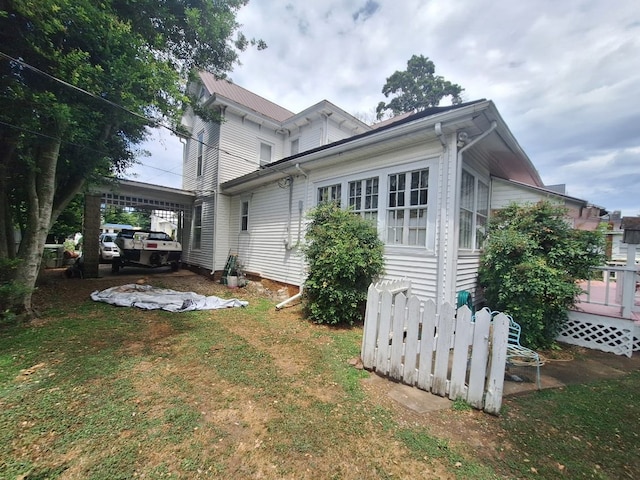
<point>262,250</point>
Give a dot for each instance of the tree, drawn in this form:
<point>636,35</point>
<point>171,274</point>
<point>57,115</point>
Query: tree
<point>530,266</point>
<point>417,88</point>
<point>79,80</point>
<point>344,255</point>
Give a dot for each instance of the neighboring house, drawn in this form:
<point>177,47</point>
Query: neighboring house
<point>428,180</point>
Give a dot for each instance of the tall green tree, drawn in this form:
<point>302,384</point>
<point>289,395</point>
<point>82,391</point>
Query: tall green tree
<point>417,88</point>
<point>530,266</point>
<point>133,57</point>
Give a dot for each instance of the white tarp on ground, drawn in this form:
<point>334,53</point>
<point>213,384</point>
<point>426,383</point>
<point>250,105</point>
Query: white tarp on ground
<point>151,298</point>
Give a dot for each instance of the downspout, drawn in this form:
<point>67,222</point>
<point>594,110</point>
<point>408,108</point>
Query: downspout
<point>456,207</point>
<point>301,286</point>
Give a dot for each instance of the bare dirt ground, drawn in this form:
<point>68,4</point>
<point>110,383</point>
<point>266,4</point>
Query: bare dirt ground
<point>248,423</point>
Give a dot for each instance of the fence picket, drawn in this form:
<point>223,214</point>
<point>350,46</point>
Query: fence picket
<point>369,338</point>
<point>397,337</point>
<point>495,383</point>
<point>427,344</point>
<point>480,353</point>
<point>461,344</point>
<point>384,329</point>
<point>444,330</point>
<point>407,340</point>
<point>411,343</point>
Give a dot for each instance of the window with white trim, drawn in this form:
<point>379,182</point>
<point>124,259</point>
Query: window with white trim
<point>363,197</point>
<point>200,153</point>
<point>295,146</point>
<point>197,227</point>
<point>407,208</point>
<point>474,210</point>
<point>330,193</point>
<point>244,216</point>
<point>265,154</point>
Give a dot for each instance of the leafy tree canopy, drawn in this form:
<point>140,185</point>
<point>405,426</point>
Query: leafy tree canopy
<point>417,88</point>
<point>531,262</point>
<point>79,80</point>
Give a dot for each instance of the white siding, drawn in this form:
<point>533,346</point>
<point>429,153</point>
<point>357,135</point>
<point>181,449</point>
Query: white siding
<point>503,194</point>
<point>262,250</point>
<point>204,255</point>
<point>467,274</point>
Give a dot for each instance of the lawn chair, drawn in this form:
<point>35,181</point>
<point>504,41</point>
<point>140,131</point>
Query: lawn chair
<point>517,355</point>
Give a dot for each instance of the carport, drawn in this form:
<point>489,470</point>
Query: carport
<point>175,203</point>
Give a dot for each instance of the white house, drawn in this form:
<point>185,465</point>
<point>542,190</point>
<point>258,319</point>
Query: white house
<point>428,180</point>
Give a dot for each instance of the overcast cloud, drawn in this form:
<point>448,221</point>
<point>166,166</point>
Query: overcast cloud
<point>564,75</point>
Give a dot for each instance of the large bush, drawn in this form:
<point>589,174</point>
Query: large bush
<point>531,264</point>
<point>344,255</point>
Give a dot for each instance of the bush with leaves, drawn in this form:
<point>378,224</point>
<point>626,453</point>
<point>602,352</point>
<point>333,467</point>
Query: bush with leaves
<point>531,263</point>
<point>344,255</point>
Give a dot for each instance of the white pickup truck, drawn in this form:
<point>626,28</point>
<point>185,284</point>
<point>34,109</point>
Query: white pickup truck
<point>145,248</point>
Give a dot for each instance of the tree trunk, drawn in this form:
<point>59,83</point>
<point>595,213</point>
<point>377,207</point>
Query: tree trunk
<point>41,190</point>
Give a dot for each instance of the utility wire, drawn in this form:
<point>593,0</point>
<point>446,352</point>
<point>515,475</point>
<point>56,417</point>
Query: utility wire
<point>150,121</point>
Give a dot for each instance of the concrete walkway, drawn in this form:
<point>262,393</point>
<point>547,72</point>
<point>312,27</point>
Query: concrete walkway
<point>587,366</point>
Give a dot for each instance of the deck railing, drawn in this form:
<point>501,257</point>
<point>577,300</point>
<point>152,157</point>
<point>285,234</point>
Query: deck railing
<point>616,289</point>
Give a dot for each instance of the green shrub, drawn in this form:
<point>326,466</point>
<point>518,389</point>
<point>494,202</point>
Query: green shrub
<point>530,265</point>
<point>344,255</point>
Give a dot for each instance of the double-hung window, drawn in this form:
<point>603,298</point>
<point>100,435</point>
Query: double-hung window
<point>407,208</point>
<point>197,227</point>
<point>474,210</point>
<point>265,154</point>
<point>363,197</point>
<point>330,193</point>
<point>200,153</point>
<point>244,216</point>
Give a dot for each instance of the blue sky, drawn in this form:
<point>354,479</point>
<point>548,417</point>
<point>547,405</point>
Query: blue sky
<point>564,75</point>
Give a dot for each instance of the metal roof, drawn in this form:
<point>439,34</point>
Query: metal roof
<point>242,96</point>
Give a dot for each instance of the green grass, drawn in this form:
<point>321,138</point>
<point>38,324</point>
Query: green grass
<point>118,393</point>
<point>582,431</point>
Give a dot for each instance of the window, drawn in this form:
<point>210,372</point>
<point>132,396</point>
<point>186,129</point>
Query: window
<point>407,208</point>
<point>295,146</point>
<point>331,193</point>
<point>197,227</point>
<point>363,197</point>
<point>265,154</point>
<point>474,210</point>
<point>200,153</point>
<point>244,216</point>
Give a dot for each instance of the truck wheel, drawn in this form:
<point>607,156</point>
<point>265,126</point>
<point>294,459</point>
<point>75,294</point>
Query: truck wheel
<point>175,266</point>
<point>115,265</point>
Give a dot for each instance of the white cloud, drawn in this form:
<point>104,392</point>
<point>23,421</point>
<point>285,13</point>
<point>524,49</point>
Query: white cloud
<point>564,75</point>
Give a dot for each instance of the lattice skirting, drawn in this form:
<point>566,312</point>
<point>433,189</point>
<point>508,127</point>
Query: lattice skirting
<point>614,335</point>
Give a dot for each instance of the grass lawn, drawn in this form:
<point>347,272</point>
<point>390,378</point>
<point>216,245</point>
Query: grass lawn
<point>95,391</point>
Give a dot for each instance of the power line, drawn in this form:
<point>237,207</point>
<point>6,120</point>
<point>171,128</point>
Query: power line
<point>150,121</point>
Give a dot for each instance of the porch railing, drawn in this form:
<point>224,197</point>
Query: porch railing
<point>616,288</point>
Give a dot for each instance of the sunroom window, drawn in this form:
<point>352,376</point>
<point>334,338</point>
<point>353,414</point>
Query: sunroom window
<point>474,210</point>
<point>330,193</point>
<point>407,208</point>
<point>363,197</point>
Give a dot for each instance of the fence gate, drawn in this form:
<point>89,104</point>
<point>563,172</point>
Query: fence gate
<point>447,353</point>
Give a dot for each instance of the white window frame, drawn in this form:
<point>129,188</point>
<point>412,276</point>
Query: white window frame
<point>244,216</point>
<point>330,193</point>
<point>409,208</point>
<point>365,200</point>
<point>410,164</point>
<point>295,143</point>
<point>196,240</point>
<point>200,153</point>
<point>473,209</point>
<point>262,161</point>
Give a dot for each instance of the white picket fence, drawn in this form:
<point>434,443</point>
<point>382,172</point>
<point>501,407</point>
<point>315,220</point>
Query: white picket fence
<point>447,353</point>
